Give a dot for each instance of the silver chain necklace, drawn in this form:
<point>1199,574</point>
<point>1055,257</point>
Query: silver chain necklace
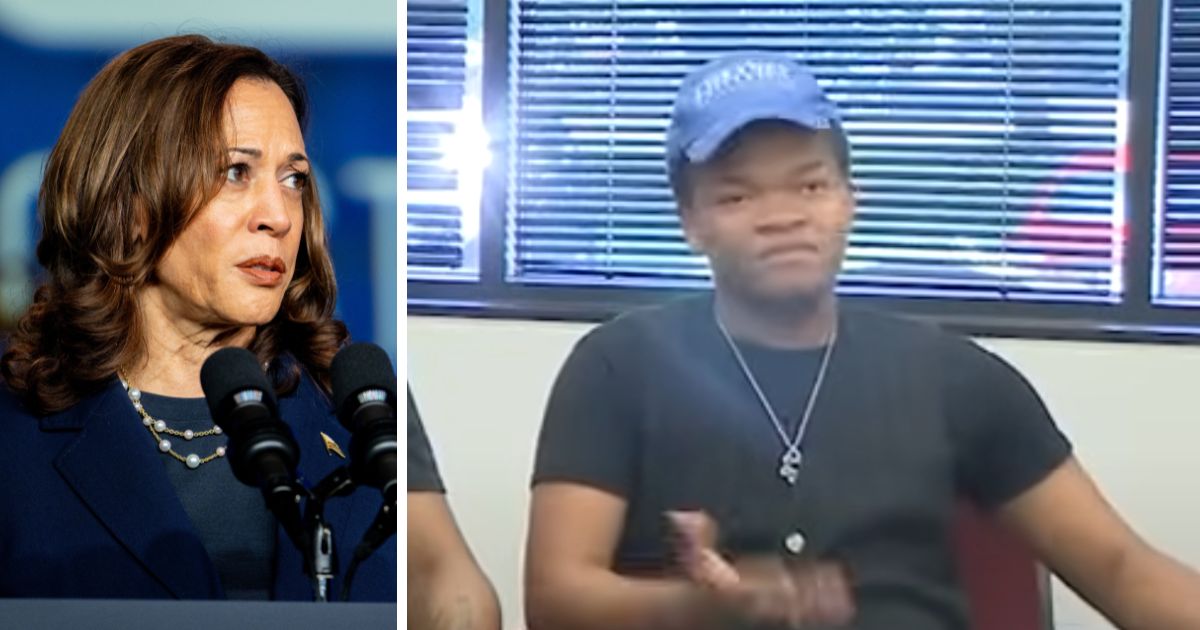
<point>793,457</point>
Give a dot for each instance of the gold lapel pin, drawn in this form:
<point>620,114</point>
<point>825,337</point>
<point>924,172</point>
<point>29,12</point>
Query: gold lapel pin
<point>331,447</point>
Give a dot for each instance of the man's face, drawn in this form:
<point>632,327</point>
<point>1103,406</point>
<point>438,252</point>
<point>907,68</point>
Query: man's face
<point>771,211</point>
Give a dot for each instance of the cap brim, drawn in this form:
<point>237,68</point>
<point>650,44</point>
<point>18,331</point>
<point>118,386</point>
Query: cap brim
<point>704,146</point>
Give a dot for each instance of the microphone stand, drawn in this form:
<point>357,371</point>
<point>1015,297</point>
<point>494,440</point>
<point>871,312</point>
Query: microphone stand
<point>311,535</point>
<point>382,528</point>
<point>319,552</point>
<point>320,555</point>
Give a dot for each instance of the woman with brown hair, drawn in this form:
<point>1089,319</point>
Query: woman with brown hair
<point>179,216</point>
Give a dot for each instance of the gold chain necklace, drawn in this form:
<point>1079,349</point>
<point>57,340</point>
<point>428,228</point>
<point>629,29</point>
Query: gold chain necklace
<point>158,429</point>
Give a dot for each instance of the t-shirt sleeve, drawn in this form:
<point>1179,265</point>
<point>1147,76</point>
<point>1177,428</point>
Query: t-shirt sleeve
<point>422,467</point>
<point>588,434</point>
<point>1005,439</point>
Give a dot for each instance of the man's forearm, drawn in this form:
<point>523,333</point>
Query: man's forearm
<point>453,600</point>
<point>1151,591</point>
<point>602,600</point>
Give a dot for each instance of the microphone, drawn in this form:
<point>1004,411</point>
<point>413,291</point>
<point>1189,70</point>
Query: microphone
<point>364,396</point>
<point>262,451</point>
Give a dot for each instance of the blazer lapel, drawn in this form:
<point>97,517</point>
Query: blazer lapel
<point>115,470</point>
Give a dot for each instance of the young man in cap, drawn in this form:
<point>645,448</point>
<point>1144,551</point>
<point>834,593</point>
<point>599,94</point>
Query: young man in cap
<point>761,457</point>
<point>446,589</point>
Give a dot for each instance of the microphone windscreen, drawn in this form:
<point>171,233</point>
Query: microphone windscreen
<point>361,366</point>
<point>231,370</point>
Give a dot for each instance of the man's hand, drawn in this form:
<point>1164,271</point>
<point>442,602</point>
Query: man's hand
<point>760,589</point>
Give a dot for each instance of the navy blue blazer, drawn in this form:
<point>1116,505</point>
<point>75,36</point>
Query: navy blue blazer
<point>87,510</point>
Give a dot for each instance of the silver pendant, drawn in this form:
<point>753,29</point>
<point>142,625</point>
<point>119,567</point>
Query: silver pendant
<point>794,543</point>
<point>789,465</point>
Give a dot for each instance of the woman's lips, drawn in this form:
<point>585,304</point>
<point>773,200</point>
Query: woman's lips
<point>264,270</point>
<point>262,277</point>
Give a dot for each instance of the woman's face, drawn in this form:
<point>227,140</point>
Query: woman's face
<point>232,264</point>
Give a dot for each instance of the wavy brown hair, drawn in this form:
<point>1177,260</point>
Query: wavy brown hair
<point>141,153</point>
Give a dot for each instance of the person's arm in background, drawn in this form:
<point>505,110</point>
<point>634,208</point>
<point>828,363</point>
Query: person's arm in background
<point>446,588</point>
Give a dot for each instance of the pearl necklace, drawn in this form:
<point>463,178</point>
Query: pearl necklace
<point>158,429</point>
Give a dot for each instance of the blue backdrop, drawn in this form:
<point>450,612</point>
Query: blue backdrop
<point>351,139</point>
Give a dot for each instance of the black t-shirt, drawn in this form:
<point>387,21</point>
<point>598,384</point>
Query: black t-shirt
<point>653,407</point>
<point>422,467</point>
<point>231,518</point>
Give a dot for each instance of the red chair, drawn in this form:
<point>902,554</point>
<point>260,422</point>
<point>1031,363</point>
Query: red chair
<point>1007,589</point>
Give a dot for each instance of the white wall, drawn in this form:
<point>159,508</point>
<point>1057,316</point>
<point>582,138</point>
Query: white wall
<point>1129,408</point>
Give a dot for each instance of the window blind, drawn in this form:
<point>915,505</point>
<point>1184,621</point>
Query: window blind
<point>985,138</point>
<point>437,76</point>
<point>1177,225</point>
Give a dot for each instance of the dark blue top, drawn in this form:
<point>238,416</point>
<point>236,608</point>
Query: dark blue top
<point>89,511</point>
<point>231,518</point>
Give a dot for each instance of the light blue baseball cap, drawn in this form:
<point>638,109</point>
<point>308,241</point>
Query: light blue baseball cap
<point>721,97</point>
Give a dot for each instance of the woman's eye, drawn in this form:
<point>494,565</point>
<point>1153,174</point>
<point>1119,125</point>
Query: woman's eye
<point>237,173</point>
<point>298,181</point>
